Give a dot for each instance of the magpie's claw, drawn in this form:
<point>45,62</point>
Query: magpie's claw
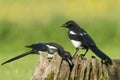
<point>82,56</point>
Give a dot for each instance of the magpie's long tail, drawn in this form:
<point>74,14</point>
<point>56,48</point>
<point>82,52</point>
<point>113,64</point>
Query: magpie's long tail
<point>17,57</point>
<point>100,54</point>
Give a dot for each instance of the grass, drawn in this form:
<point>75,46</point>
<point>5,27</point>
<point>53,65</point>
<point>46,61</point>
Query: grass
<point>20,69</point>
<point>23,23</point>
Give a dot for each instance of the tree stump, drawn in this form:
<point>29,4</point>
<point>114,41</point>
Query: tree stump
<point>84,69</point>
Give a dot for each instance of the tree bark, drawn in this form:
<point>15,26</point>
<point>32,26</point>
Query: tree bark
<point>84,69</point>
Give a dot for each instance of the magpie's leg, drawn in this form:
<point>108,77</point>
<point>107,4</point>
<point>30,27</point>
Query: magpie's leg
<point>83,55</point>
<point>77,49</point>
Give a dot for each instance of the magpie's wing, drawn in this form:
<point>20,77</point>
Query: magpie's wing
<point>86,39</point>
<point>17,57</point>
<point>38,47</point>
<point>53,47</point>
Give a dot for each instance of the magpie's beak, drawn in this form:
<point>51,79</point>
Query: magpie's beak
<point>28,46</point>
<point>64,25</point>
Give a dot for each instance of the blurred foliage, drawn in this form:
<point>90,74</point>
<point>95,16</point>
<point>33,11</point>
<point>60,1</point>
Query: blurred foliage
<point>14,35</point>
<point>23,22</point>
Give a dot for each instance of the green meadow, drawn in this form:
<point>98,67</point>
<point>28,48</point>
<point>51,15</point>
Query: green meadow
<point>24,22</point>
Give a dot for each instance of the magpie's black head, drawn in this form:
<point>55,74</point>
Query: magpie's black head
<point>38,47</point>
<point>67,55</point>
<point>69,24</point>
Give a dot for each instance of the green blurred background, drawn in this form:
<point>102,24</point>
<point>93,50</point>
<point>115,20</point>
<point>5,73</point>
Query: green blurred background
<point>23,22</point>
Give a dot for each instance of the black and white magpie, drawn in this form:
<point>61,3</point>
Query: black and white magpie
<point>50,47</point>
<point>64,54</point>
<point>36,49</point>
<point>81,39</point>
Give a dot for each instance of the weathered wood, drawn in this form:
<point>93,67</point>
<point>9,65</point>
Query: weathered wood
<point>84,69</point>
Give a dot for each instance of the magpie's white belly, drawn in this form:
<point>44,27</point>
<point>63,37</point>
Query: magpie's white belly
<point>77,44</point>
<point>40,52</point>
<point>50,55</point>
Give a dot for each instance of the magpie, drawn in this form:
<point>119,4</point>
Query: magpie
<point>81,40</point>
<point>50,47</point>
<point>36,49</point>
<point>62,53</point>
